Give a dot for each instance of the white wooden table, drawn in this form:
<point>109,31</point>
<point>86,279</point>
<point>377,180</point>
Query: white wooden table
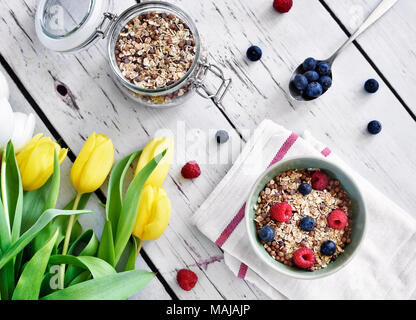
<point>312,28</point>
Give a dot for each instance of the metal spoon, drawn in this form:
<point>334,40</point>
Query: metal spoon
<point>378,12</point>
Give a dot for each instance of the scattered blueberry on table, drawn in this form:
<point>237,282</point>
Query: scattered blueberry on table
<point>254,53</point>
<point>222,136</point>
<point>371,86</point>
<point>307,224</point>
<point>266,234</point>
<point>314,80</point>
<point>374,127</point>
<point>328,248</point>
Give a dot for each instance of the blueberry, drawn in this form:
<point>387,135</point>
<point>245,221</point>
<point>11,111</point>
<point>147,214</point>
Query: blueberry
<point>222,136</point>
<point>266,234</point>
<point>328,248</point>
<point>300,82</point>
<point>314,90</point>
<point>307,224</point>
<point>309,64</point>
<point>311,76</point>
<point>371,86</point>
<point>323,68</point>
<point>326,82</point>
<point>374,127</point>
<point>254,53</point>
<point>305,189</point>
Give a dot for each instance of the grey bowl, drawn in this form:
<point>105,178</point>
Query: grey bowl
<point>358,215</point>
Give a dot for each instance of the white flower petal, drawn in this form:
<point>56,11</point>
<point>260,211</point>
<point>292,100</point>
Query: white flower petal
<point>24,126</point>
<point>4,87</point>
<point>6,122</point>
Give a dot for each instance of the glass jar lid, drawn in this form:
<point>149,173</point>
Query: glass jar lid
<point>71,25</point>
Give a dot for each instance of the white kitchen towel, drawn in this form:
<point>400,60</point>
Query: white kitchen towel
<point>385,266</point>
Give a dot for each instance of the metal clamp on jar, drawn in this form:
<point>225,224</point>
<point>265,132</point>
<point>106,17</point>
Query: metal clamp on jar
<point>154,48</point>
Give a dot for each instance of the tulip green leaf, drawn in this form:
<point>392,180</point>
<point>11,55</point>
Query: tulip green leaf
<point>37,201</point>
<point>30,281</point>
<point>54,185</point>
<point>33,204</point>
<point>84,276</point>
<point>85,245</point>
<point>98,268</point>
<point>115,189</point>
<point>14,192</point>
<point>4,230</point>
<point>106,248</point>
<point>129,209</point>
<point>82,203</point>
<point>30,234</point>
<point>60,223</point>
<point>131,261</point>
<point>118,286</point>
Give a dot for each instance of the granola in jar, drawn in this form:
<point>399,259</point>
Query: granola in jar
<point>303,219</point>
<point>155,51</point>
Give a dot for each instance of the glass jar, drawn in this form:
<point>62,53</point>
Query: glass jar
<point>73,25</point>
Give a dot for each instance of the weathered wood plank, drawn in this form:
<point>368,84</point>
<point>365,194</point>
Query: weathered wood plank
<point>93,221</point>
<point>340,117</point>
<point>259,91</point>
<point>390,43</point>
<point>100,106</point>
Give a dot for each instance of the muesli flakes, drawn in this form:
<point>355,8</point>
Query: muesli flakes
<point>288,236</point>
<point>155,50</point>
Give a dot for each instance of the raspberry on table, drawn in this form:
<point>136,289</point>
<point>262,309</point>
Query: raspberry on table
<point>337,219</point>
<point>304,258</point>
<point>187,279</point>
<point>281,212</point>
<point>320,181</point>
<point>283,6</point>
<point>191,170</point>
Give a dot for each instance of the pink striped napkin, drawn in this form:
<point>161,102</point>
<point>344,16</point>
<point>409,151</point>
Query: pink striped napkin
<point>385,266</point>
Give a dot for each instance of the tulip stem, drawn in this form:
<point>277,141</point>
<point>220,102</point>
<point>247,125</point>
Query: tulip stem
<point>67,238</point>
<point>3,189</point>
<point>139,246</point>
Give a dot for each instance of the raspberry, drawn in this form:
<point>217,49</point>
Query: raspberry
<point>304,258</point>
<point>337,219</point>
<point>186,279</point>
<point>281,212</point>
<point>320,181</point>
<point>283,6</point>
<point>191,170</point>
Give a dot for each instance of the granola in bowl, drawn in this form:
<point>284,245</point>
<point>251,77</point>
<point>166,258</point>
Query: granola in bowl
<point>303,219</point>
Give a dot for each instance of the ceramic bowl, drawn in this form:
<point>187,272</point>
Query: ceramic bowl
<point>357,206</point>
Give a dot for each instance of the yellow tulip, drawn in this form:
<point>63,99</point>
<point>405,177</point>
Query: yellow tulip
<point>93,164</point>
<point>152,149</point>
<point>36,159</point>
<point>153,214</point>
